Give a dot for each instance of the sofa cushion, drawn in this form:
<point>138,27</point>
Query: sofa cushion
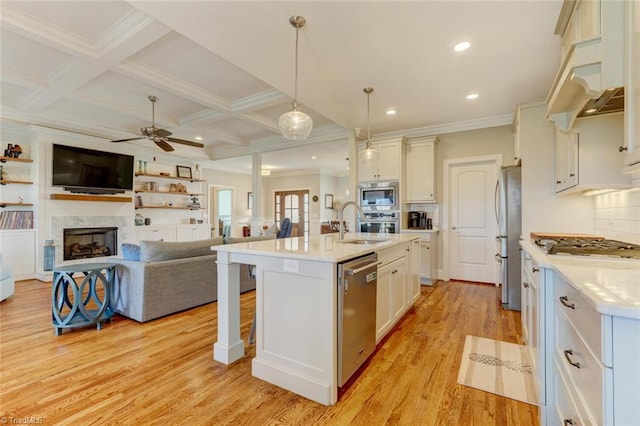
<point>233,240</point>
<point>130,251</point>
<point>156,251</point>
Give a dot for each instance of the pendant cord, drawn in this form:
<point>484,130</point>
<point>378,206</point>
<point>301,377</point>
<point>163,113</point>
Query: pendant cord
<point>295,90</point>
<point>368,123</point>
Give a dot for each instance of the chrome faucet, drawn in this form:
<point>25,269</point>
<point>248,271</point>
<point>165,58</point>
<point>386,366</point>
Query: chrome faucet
<point>341,213</point>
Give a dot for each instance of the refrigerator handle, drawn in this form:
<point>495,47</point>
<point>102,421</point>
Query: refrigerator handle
<point>496,201</point>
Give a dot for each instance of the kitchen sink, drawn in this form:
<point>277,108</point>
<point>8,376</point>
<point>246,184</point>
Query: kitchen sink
<point>361,241</point>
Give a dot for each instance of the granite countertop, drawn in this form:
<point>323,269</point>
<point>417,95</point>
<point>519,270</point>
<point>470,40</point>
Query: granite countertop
<point>612,286</point>
<point>325,247</point>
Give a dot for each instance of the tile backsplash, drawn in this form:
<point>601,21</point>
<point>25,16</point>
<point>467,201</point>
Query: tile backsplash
<point>617,215</point>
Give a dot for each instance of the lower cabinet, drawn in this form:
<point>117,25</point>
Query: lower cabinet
<point>393,293</point>
<point>18,248</point>
<point>172,232</point>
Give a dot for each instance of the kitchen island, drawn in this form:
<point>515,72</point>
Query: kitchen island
<point>297,305</point>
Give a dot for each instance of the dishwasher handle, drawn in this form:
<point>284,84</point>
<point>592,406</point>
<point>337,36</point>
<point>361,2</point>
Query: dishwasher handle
<point>363,268</point>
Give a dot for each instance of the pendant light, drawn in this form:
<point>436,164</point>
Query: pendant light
<point>295,124</point>
<point>369,155</point>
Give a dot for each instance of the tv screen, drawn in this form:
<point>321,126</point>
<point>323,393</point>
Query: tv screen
<point>86,169</point>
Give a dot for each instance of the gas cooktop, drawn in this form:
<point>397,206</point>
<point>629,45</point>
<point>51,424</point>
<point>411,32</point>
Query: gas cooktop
<point>590,247</point>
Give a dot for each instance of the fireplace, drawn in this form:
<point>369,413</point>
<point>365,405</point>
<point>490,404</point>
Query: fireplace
<point>83,243</point>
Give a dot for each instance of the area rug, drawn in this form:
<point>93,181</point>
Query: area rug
<point>498,367</point>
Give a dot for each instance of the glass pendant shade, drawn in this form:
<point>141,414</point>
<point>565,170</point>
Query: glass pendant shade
<point>368,156</point>
<point>295,125</point>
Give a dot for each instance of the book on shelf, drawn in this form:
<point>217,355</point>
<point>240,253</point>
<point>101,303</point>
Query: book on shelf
<point>16,219</point>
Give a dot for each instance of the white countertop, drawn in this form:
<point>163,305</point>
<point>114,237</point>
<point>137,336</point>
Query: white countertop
<point>612,286</point>
<point>435,230</point>
<point>324,247</point>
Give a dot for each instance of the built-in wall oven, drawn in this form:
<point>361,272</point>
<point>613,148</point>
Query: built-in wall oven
<point>380,222</point>
<point>379,196</point>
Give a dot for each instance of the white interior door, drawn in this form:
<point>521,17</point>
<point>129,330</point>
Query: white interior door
<point>471,220</point>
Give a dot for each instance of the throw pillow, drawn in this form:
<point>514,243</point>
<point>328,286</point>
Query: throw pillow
<point>130,251</point>
<point>156,251</point>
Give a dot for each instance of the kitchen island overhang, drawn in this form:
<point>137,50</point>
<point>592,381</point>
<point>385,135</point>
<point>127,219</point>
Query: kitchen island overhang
<point>296,307</point>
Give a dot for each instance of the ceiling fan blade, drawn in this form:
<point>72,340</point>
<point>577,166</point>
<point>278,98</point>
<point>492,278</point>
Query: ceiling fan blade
<point>163,144</point>
<point>162,133</point>
<point>130,139</point>
<point>184,142</point>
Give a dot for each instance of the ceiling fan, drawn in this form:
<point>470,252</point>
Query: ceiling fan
<point>159,136</point>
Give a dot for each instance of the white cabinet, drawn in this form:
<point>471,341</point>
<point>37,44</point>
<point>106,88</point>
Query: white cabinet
<point>388,165</point>
<point>420,170</point>
<point>393,288</point>
<point>632,86</point>
<point>588,157</point>
<point>428,256</point>
<point>517,140</point>
<point>193,232</point>
<point>414,281</point>
<point>156,233</point>
<point>18,252</point>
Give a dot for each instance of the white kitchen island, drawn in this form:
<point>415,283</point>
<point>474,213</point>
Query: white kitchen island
<point>296,306</point>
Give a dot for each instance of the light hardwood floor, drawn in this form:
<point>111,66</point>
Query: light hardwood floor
<point>162,372</point>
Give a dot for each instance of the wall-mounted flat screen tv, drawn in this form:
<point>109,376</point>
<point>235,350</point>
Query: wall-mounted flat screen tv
<point>90,171</point>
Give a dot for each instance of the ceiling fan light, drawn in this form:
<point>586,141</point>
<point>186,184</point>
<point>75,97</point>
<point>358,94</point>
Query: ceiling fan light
<point>295,125</point>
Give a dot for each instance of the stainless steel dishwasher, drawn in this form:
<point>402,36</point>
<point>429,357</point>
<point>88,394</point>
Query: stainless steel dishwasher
<point>357,282</point>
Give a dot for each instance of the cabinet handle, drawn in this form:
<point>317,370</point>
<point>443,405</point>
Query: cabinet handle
<point>622,148</point>
<point>564,301</point>
<point>525,284</point>
<point>572,174</point>
<point>558,182</point>
<point>534,270</point>
<point>568,422</point>
<point>568,352</point>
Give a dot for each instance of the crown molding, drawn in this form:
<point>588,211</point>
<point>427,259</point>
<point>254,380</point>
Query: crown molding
<point>260,100</point>
<point>460,126</point>
<point>23,80</point>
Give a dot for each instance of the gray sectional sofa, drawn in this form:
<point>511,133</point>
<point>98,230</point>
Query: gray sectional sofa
<point>169,277</point>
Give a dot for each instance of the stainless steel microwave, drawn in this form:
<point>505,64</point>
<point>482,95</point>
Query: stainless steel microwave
<point>379,196</point>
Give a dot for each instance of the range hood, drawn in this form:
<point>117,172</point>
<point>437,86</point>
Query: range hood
<point>591,74</point>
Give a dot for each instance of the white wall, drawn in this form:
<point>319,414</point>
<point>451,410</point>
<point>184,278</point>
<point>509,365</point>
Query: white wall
<point>241,185</point>
<point>542,209</point>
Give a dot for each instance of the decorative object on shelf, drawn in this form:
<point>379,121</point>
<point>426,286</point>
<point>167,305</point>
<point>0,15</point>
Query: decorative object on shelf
<point>138,201</point>
<point>140,166</point>
<point>197,173</point>
<point>164,174</point>
<point>147,221</point>
<point>145,168</point>
<point>13,151</point>
<point>295,124</point>
<point>184,172</point>
<point>315,198</point>
<point>192,220</point>
<point>173,188</point>
<point>154,186</point>
<point>20,199</point>
<point>147,186</point>
<point>2,172</point>
<point>139,220</point>
<point>195,204</point>
<point>369,154</point>
<point>249,200</point>
<point>49,255</point>
<point>328,201</point>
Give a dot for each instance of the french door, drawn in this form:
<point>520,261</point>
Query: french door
<point>295,206</point>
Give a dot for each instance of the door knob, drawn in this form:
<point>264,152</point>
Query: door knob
<point>453,228</point>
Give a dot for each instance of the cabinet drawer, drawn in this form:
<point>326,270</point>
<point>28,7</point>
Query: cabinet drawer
<point>566,406</point>
<point>586,374</point>
<point>585,319</point>
<point>387,256</point>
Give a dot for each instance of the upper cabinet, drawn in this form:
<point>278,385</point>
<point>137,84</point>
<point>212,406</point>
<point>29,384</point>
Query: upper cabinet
<point>592,60</point>
<point>632,86</point>
<point>588,156</point>
<point>388,165</point>
<point>420,170</point>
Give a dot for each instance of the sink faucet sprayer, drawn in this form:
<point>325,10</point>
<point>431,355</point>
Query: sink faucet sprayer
<point>341,213</point>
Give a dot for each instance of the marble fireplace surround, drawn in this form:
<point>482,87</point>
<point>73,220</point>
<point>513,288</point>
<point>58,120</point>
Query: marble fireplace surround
<point>60,223</point>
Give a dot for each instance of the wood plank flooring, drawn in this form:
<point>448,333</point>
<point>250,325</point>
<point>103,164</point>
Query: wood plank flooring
<point>162,372</point>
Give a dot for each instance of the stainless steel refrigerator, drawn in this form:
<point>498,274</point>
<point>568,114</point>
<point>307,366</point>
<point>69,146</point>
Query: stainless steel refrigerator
<point>508,204</point>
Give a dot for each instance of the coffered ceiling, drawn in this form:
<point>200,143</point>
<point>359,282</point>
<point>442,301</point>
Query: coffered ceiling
<point>223,71</point>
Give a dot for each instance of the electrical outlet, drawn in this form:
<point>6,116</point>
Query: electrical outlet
<point>290,265</point>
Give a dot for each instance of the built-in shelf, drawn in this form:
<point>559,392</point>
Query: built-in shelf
<point>168,192</point>
<point>75,197</point>
<point>3,204</point>
<point>165,207</point>
<point>168,177</point>
<point>4,159</point>
<point>21,182</point>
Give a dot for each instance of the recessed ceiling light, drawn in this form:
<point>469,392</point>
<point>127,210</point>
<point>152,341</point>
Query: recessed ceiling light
<point>313,157</point>
<point>590,111</point>
<point>265,172</point>
<point>198,138</point>
<point>472,96</point>
<point>463,45</point>
<point>391,111</point>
